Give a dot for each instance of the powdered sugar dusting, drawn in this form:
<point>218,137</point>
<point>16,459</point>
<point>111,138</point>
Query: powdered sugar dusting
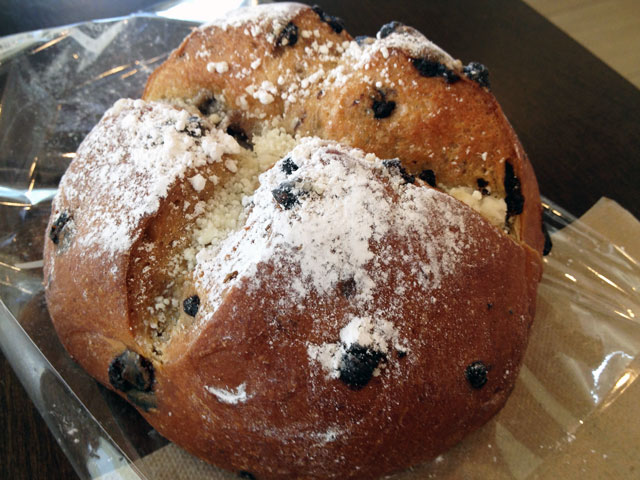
<point>405,39</point>
<point>220,67</point>
<point>414,44</point>
<point>330,435</point>
<point>325,63</point>
<point>259,18</point>
<point>128,163</point>
<point>375,334</point>
<point>346,204</point>
<point>232,397</point>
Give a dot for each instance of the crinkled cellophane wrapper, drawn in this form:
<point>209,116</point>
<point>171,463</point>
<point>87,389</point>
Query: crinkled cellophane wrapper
<point>572,413</point>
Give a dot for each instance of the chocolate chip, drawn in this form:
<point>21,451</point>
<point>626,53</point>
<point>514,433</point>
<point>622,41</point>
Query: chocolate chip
<point>476,374</point>
<point>393,163</point>
<point>401,353</point>
<point>347,287</point>
<point>288,166</point>
<point>134,375</point>
<point>285,196</point>
<point>382,108</point>
<point>56,229</point>
<point>548,245</point>
<point>241,137</point>
<point>396,167</point>
<point>191,305</point>
<point>388,28</point>
<point>288,35</point>
<point>478,73</point>
<point>489,306</point>
<point>482,185</point>
<point>194,127</point>
<point>428,176</point>
<point>334,22</point>
<point>247,475</point>
<point>429,68</point>
<point>514,198</point>
<point>207,106</point>
<point>358,364</point>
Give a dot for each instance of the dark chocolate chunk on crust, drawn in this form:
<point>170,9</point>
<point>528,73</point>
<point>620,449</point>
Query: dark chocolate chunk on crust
<point>396,167</point>
<point>337,24</point>
<point>514,198</point>
<point>134,375</point>
<point>388,28</point>
<point>240,136</point>
<point>347,287</point>
<point>288,36</point>
<point>207,106</point>
<point>288,166</point>
<point>191,305</point>
<point>482,185</point>
<point>429,68</point>
<point>194,127</point>
<point>382,108</point>
<point>358,364</point>
<point>428,176</point>
<point>478,73</point>
<point>56,231</point>
<point>476,374</point>
<point>285,195</point>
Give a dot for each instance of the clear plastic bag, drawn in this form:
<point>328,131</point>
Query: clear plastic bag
<point>56,84</point>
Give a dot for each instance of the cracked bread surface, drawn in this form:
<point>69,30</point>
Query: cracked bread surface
<point>328,85</point>
<point>272,293</point>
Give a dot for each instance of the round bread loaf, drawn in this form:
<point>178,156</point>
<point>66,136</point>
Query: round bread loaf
<point>301,255</point>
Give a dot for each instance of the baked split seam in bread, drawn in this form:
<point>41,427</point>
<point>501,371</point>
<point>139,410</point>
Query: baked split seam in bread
<point>301,255</point>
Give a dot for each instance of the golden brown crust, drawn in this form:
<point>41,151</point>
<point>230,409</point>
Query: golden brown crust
<point>237,384</point>
<point>389,423</point>
<point>456,129</point>
<point>490,322</point>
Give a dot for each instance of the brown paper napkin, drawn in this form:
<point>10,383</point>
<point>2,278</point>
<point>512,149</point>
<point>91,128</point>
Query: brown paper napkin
<point>573,412</point>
